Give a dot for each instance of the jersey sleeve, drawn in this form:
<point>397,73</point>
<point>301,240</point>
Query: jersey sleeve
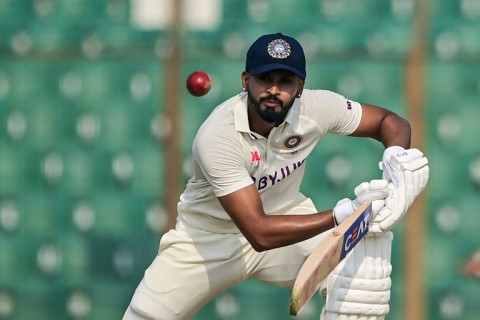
<point>221,159</point>
<point>334,113</point>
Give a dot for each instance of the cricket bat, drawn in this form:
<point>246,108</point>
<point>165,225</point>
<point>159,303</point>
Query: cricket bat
<point>328,254</point>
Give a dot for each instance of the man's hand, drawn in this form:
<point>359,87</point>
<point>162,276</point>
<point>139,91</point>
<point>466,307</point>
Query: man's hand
<point>376,190</point>
<point>397,159</point>
<point>408,172</point>
<point>394,208</point>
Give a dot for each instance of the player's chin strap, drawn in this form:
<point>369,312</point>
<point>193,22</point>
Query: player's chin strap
<point>359,287</point>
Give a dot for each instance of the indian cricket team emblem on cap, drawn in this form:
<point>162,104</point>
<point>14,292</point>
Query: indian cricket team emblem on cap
<point>292,142</point>
<point>279,49</point>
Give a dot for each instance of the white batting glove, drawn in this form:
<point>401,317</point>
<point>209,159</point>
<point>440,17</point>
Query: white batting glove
<point>397,159</point>
<point>400,199</point>
<point>376,190</point>
<point>406,168</point>
<point>388,173</point>
<point>394,209</point>
<point>409,172</point>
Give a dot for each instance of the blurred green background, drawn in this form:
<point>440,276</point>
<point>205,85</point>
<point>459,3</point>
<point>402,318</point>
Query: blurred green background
<point>84,129</point>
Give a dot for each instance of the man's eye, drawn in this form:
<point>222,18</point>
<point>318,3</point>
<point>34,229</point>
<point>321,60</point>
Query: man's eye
<point>286,80</point>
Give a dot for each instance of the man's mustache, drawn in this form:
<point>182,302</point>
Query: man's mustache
<point>272,98</point>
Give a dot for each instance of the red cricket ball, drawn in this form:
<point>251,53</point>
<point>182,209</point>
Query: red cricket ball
<point>198,83</point>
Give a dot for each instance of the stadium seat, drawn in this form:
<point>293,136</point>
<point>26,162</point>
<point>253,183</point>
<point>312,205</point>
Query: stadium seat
<point>149,169</point>
<point>11,171</point>
<point>116,125</point>
<point>76,259</point>
<point>79,176</point>
<point>9,259</point>
<point>98,82</point>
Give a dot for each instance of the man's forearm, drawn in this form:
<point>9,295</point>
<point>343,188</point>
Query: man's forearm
<point>395,131</point>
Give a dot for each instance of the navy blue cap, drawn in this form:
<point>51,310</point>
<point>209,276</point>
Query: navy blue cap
<point>276,51</point>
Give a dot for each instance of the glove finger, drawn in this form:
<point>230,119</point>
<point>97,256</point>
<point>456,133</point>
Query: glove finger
<point>385,173</point>
<point>396,203</point>
<point>372,195</point>
<point>425,176</point>
<point>414,181</point>
<point>343,210</point>
<point>382,214</point>
<point>361,188</point>
<point>375,228</point>
<point>378,184</point>
<point>342,201</point>
<point>417,183</point>
<point>409,188</point>
<point>415,164</point>
<point>394,173</point>
<point>377,205</point>
<point>423,179</point>
<point>380,165</point>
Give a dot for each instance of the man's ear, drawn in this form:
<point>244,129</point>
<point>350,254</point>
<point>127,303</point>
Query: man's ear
<point>245,77</point>
<point>301,84</point>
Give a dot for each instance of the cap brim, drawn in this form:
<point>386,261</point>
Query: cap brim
<point>277,66</point>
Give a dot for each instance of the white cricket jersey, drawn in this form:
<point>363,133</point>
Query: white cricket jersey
<point>227,156</point>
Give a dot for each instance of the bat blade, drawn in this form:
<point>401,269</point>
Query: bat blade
<point>328,254</point>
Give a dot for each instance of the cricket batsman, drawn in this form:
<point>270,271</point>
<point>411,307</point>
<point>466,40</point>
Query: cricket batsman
<point>242,214</point>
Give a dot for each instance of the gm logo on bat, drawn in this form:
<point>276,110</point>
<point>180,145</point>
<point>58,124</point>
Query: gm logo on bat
<point>356,231</point>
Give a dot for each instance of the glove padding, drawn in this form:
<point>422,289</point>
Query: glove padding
<point>375,190</point>
<point>395,207</point>
<point>409,172</point>
<point>396,160</point>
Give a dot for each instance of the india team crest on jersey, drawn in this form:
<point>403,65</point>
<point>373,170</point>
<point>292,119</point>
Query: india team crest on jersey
<point>292,142</point>
<point>279,49</point>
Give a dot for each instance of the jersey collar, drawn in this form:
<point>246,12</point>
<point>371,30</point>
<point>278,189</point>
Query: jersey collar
<point>240,114</point>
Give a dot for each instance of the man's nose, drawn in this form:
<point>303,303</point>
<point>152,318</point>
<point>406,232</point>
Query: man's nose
<point>273,89</point>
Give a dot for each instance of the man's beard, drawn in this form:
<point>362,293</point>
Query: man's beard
<point>269,114</point>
